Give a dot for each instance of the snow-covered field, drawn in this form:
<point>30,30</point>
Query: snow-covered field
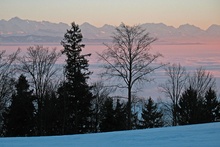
<point>202,135</point>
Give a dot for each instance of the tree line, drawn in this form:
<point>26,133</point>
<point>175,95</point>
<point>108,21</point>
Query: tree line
<point>38,98</point>
<point>192,96</point>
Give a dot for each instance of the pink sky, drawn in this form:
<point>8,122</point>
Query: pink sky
<point>201,13</point>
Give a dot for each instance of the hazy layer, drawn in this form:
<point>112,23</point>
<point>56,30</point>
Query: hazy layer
<point>190,56</point>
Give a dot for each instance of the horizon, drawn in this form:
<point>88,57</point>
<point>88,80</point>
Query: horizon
<point>201,13</point>
<point>106,23</point>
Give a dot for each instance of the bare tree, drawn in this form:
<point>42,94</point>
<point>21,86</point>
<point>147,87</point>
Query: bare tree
<point>129,60</point>
<point>173,88</point>
<point>202,81</point>
<point>101,93</point>
<point>39,65</point>
<point>6,79</point>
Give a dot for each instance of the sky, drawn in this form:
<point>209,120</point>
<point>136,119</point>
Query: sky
<point>201,13</point>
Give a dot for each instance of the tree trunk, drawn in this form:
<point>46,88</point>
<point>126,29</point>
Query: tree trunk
<point>175,115</point>
<point>129,107</point>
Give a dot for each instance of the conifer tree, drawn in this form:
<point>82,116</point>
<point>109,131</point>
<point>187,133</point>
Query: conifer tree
<point>51,115</point>
<point>190,107</point>
<point>151,116</point>
<point>39,65</point>
<point>114,116</point>
<point>120,116</point>
<point>77,92</point>
<point>19,118</point>
<point>211,106</point>
<point>108,121</point>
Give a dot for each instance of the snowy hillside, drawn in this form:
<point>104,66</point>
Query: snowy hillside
<point>202,135</point>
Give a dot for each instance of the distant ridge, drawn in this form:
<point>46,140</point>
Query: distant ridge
<point>20,30</point>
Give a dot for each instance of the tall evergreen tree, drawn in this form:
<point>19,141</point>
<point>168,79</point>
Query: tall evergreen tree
<point>211,106</point>
<point>114,116</point>
<point>77,92</point>
<point>190,107</point>
<point>63,109</point>
<point>51,116</point>
<point>108,117</point>
<point>151,116</point>
<point>19,119</point>
<point>120,116</point>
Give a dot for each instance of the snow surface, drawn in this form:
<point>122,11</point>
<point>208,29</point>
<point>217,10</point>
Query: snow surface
<point>202,135</point>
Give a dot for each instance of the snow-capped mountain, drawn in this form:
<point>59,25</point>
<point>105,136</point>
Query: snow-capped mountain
<point>17,26</point>
<point>91,32</point>
<point>188,30</point>
<point>19,30</point>
<point>213,30</point>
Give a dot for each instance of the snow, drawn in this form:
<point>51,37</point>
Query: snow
<point>201,135</point>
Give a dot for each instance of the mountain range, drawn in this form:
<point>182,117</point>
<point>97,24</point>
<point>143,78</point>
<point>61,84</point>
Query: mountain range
<point>19,30</point>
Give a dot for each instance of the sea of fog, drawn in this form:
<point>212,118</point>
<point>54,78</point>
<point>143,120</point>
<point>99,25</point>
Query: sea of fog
<point>190,56</point>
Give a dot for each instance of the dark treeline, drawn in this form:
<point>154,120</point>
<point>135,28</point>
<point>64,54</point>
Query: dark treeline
<point>192,97</point>
<point>37,98</point>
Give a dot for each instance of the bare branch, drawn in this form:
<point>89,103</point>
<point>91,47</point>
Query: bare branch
<point>174,87</point>
<point>128,58</point>
<point>39,65</point>
<point>201,81</point>
<point>6,78</point>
